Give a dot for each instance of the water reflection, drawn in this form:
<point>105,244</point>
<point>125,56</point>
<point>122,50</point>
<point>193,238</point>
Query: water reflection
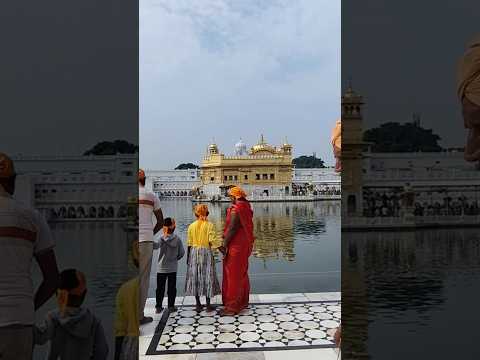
<point>292,241</point>
<point>408,286</point>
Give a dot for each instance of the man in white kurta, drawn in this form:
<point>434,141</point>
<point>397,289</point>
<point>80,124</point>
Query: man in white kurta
<point>148,208</point>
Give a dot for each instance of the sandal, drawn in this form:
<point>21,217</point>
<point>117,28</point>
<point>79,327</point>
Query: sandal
<point>199,308</point>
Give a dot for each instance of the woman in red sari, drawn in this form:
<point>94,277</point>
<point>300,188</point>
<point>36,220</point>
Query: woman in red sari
<point>238,246</point>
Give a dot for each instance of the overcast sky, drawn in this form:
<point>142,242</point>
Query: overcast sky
<point>229,69</point>
<point>403,57</point>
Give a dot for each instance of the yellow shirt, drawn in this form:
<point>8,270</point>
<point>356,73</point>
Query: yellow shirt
<point>126,317</point>
<point>203,234</point>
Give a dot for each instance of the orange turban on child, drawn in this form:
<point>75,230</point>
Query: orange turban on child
<point>237,192</point>
<point>201,211</point>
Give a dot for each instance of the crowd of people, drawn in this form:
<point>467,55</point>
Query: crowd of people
<point>389,204</point>
<point>386,204</point>
<point>456,207</point>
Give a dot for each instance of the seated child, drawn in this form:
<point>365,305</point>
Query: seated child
<point>171,251</point>
<point>201,273</point>
<point>73,331</point>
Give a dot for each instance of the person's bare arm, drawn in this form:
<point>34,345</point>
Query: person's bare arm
<point>159,215</point>
<point>232,228</point>
<point>48,265</point>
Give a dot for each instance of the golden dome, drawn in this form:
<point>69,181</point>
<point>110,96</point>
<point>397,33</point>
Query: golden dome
<point>213,149</point>
<point>262,146</point>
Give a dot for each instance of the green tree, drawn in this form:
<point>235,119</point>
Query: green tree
<point>408,137</point>
<point>308,162</point>
<point>112,148</point>
<point>187,166</point>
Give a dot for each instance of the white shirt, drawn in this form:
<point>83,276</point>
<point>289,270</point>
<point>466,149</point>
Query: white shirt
<point>148,202</point>
<point>24,233</point>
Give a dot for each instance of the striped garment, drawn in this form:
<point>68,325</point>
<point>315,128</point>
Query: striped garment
<point>201,273</point>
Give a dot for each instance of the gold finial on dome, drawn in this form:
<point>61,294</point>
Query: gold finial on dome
<point>262,146</point>
<point>213,148</point>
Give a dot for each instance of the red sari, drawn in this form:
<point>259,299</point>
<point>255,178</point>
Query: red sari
<point>236,285</point>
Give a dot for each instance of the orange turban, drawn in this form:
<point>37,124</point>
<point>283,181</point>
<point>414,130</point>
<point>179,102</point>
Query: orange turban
<point>337,135</point>
<point>201,211</point>
<point>237,192</point>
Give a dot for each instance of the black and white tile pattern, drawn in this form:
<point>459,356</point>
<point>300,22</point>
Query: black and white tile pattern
<point>262,327</point>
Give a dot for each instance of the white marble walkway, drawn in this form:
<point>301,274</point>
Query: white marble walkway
<point>275,327</point>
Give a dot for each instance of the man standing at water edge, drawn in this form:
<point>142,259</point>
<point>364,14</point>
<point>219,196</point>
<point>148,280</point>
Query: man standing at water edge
<point>24,235</point>
<point>148,206</point>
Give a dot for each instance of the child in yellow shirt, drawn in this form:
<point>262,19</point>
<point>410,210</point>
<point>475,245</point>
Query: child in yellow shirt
<point>201,277</point>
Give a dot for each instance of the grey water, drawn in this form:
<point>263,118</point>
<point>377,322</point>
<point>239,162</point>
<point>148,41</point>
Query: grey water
<point>297,249</point>
<point>297,245</point>
<point>411,295</point>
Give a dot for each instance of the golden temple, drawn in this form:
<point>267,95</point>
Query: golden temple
<point>264,169</point>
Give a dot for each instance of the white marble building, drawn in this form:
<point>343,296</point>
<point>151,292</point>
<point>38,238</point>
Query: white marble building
<point>181,183</point>
<point>173,183</point>
<point>321,178</point>
<point>80,187</point>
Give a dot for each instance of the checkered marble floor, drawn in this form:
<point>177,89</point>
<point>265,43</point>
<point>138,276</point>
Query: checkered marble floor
<point>272,323</point>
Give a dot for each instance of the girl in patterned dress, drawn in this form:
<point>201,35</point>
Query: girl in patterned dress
<point>202,278</point>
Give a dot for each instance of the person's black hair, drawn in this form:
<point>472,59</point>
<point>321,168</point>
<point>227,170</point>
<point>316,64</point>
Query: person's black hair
<point>168,221</point>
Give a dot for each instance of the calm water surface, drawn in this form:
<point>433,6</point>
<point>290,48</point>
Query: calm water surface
<point>297,250</point>
<point>411,295</point>
<point>297,246</point>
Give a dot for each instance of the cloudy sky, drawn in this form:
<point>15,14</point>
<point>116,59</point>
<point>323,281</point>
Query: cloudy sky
<point>230,69</point>
<point>403,57</point>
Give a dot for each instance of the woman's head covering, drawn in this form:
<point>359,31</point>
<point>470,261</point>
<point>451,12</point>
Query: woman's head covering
<point>72,285</point>
<point>237,192</point>
<point>168,226</point>
<point>201,211</point>
<point>469,73</point>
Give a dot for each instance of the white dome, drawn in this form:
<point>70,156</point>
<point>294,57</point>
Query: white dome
<point>240,148</point>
